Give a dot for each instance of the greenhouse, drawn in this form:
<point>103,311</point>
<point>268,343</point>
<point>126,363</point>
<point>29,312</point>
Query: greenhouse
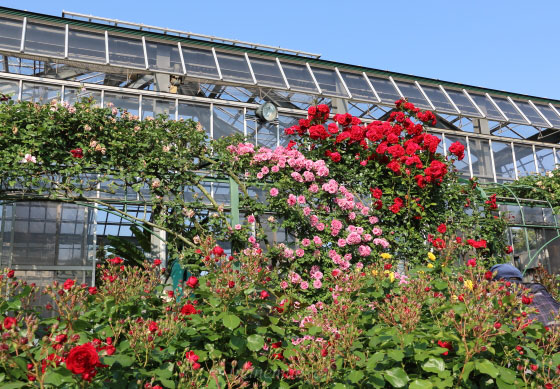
<point>221,83</point>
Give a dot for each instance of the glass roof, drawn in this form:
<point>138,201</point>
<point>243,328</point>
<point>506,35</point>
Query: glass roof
<point>59,38</point>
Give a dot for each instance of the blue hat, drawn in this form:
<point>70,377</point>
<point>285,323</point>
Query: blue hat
<point>506,271</point>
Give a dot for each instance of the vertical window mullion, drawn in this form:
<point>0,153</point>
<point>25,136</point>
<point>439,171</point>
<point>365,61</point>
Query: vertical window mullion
<point>283,74</point>
<point>66,33</point>
<point>514,161</point>
<point>182,58</point>
<point>23,30</point>
<point>314,79</point>
<point>145,53</point>
<point>492,160</point>
<point>106,47</point>
<point>469,154</point>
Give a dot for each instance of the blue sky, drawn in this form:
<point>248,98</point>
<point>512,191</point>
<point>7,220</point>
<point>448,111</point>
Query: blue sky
<point>508,45</point>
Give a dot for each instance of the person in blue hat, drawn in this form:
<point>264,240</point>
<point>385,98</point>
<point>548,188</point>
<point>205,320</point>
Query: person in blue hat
<point>543,301</point>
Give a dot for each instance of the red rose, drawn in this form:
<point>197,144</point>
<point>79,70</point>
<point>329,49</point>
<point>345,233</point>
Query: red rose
<point>82,359</point>
<point>153,327</point>
<point>534,367</point>
<point>376,193</point>
<point>188,309</point>
<point>446,345</point>
<point>387,266</point>
<point>10,274</point>
<point>192,282</point>
<point>157,262</point>
<point>68,284</point>
<point>218,251</point>
<point>488,275</point>
<point>497,325</point>
<point>77,153</point>
<point>471,262</point>
<point>442,228</point>
<point>231,284</point>
<point>247,365</point>
<point>264,294</point>
<point>509,249</point>
<point>191,357</point>
<point>526,300</point>
<point>335,157</point>
<point>9,322</point>
<point>458,150</point>
<point>92,290</point>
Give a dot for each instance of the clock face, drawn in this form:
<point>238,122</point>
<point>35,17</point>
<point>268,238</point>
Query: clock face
<point>269,112</point>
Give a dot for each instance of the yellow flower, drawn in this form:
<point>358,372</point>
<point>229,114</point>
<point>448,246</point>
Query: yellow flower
<point>454,298</point>
<point>374,272</point>
<point>392,276</point>
<point>386,256</point>
<point>430,265</point>
<point>468,284</point>
<point>431,256</point>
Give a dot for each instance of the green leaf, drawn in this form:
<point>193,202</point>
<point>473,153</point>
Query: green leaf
<point>467,370</point>
<point>420,384</point>
<point>255,342</point>
<point>396,377</point>
<point>355,376</point>
<point>231,321</point>
<point>507,375</point>
<point>122,359</point>
<point>396,355</point>
<point>434,365</point>
<point>14,385</point>
<point>236,342</point>
<point>374,360</point>
<point>486,367</point>
<point>58,376</point>
<point>278,330</point>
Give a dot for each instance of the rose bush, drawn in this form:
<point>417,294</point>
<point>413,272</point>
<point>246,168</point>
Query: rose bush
<point>382,282</point>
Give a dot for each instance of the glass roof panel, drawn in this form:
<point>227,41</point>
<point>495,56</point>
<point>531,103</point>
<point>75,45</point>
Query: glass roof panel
<point>125,51</point>
<point>234,67</point>
<point>438,99</point>
<point>462,102</point>
<point>385,89</point>
<point>510,111</point>
<point>531,114</point>
<point>358,86</point>
<point>413,94</point>
<point>298,77</point>
<point>200,62</point>
<point>486,106</point>
<point>164,57</point>
<point>44,39</point>
<point>86,46</point>
<point>267,72</point>
<point>10,33</point>
<point>329,81</point>
<point>552,116</point>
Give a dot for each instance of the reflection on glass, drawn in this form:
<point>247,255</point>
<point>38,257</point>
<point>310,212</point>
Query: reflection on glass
<point>10,88</point>
<point>10,33</point>
<point>545,159</point>
<point>283,123</point>
<point>164,57</point>
<point>298,77</point>
<point>200,62</point>
<point>486,106</point>
<point>74,95</point>
<point>531,114</point>
<point>462,102</point>
<point>385,89</point>
<point>510,111</point>
<point>438,99</point>
<point>227,121</point>
<point>463,165</point>
<point>329,82</point>
<point>39,93</point>
<point>126,102</point>
<point>234,67</point>
<point>358,86</point>
<point>153,107</point>
<point>86,46</point>
<point>126,52</point>
<point>267,72</point>
<point>552,116</point>
<point>480,159</point>
<point>197,112</point>
<point>44,39</point>
<point>524,160</point>
<point>413,94</point>
<point>503,161</point>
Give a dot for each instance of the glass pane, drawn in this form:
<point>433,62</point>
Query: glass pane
<point>283,123</point>
<point>10,33</point>
<point>503,161</point>
<point>462,102</point>
<point>154,107</point>
<point>127,102</point>
<point>438,99</point>
<point>234,67</point>
<point>525,160</point>
<point>127,52</point>
<point>86,46</point>
<point>413,94</point>
<point>40,93</point>
<point>531,114</point>
<point>358,86</point>
<point>267,72</point>
<point>385,89</point>
<point>486,106</point>
<point>73,95</point>
<point>227,121</point>
<point>545,159</point>
<point>44,39</point>
<point>266,134</point>
<point>329,82</point>
<point>552,116</point>
<point>200,62</point>
<point>480,159</point>
<point>463,165</point>
<point>197,112</point>
<point>164,57</point>
<point>510,111</point>
<point>298,77</point>
<point>10,88</point>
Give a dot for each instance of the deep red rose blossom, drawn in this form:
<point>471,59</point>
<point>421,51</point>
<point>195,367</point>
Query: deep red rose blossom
<point>458,150</point>
<point>192,282</point>
<point>77,153</point>
<point>9,322</point>
<point>82,359</point>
